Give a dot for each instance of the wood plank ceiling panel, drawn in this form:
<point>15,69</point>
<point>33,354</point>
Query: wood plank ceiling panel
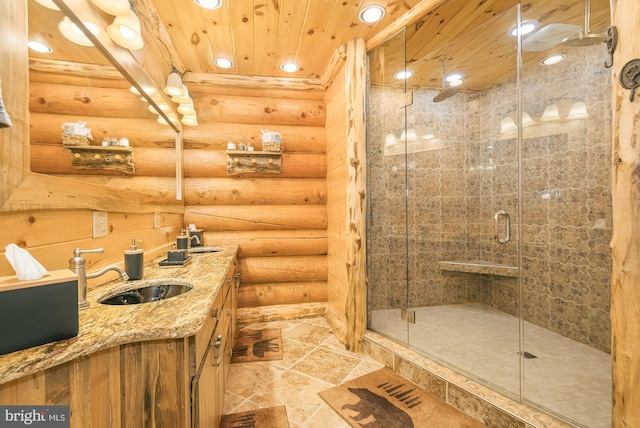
<point>311,36</point>
<point>186,27</point>
<point>267,15</point>
<point>334,32</point>
<point>241,20</point>
<point>292,17</point>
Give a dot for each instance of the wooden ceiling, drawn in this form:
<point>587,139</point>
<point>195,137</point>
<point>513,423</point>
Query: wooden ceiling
<point>258,35</point>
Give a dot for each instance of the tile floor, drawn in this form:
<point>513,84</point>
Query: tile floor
<point>567,377</point>
<point>314,360</point>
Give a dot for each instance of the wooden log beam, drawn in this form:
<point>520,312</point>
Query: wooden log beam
<point>46,130</point>
<point>261,270</point>
<point>255,191</point>
<point>625,247</point>
<point>254,82</point>
<point>285,93</point>
<point>212,163</point>
<point>86,101</point>
<point>289,293</point>
<point>161,187</point>
<point>215,135</point>
<point>257,218</point>
<point>280,312</point>
<point>333,68</point>
<point>355,307</point>
<point>148,162</point>
<point>272,111</point>
<point>269,243</point>
<point>160,162</point>
<point>45,192</point>
<point>45,70</point>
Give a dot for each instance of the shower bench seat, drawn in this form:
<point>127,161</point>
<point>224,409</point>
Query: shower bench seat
<point>479,267</point>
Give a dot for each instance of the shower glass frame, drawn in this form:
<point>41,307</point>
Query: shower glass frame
<point>394,263</point>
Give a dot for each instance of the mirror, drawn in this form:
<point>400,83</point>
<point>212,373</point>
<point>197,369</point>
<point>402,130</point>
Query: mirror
<point>100,78</point>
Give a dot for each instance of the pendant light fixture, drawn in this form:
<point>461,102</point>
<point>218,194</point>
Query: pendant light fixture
<point>125,31</point>
<point>174,83</point>
<point>183,97</point>
<point>113,7</point>
<point>73,33</point>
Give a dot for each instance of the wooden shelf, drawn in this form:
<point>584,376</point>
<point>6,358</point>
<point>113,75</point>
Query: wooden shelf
<point>115,158</point>
<point>244,161</point>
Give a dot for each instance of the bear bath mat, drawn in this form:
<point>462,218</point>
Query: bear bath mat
<point>384,399</point>
<point>257,345</point>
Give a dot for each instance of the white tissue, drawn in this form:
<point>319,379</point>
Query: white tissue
<point>27,268</point>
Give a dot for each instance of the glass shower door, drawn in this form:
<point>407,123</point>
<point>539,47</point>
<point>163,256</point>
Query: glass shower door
<point>462,170</point>
<point>567,225</point>
<point>387,256</point>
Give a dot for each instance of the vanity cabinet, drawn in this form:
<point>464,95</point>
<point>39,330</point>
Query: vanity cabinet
<point>209,383</point>
<point>163,382</point>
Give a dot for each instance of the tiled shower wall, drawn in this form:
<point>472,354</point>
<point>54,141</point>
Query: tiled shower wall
<point>457,183</point>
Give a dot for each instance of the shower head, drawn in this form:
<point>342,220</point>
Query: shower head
<point>445,92</point>
<point>584,37</point>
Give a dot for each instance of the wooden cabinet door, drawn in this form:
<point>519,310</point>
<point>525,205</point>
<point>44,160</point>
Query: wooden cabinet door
<point>207,410</point>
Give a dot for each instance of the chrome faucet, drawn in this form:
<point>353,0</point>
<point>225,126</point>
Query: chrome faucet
<point>78,264</point>
<point>192,237</point>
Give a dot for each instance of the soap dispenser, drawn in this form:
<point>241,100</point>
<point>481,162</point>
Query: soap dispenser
<point>134,261</point>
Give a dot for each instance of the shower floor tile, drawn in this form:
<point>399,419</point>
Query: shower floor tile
<point>565,377</point>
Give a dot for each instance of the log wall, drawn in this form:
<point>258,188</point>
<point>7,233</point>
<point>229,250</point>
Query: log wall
<point>279,220</point>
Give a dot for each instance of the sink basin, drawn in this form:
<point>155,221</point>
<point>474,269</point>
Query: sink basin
<point>205,249</point>
<point>151,292</point>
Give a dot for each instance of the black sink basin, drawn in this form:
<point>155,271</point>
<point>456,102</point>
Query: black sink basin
<point>148,293</point>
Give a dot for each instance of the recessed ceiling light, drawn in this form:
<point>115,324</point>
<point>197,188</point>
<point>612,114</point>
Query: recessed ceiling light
<point>525,28</point>
<point>553,59</point>
<point>454,83</point>
<point>39,47</point>
<point>371,14</point>
<point>452,77</point>
<point>223,62</point>
<point>289,67</point>
<point>209,4</point>
<point>403,75</point>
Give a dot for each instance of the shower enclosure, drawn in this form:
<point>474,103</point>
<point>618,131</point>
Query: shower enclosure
<point>489,212</point>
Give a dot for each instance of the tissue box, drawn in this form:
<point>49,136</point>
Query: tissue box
<point>37,312</point>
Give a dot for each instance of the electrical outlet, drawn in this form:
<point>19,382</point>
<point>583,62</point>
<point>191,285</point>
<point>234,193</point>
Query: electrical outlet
<point>156,220</point>
<point>100,224</point>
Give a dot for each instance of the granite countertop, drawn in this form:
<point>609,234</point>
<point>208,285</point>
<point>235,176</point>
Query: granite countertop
<point>104,326</point>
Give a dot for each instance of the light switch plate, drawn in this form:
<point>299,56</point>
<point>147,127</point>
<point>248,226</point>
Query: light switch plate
<point>156,220</point>
<point>100,224</point>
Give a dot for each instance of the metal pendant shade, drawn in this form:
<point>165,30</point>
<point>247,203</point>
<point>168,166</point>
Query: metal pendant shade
<point>125,31</point>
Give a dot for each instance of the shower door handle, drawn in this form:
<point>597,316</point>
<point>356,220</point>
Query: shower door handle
<point>507,226</point>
